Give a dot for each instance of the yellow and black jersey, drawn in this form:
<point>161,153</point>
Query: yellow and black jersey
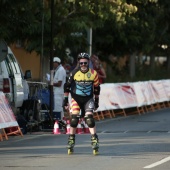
<point>83,84</point>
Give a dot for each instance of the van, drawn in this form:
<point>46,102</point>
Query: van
<point>12,81</point>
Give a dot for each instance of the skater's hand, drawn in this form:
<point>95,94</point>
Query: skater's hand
<point>96,103</point>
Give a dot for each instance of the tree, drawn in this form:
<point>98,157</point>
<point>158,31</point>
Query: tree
<point>20,20</point>
<point>28,19</point>
<point>122,27</point>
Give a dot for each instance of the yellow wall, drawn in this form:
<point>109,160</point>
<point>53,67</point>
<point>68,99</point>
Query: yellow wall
<point>28,61</point>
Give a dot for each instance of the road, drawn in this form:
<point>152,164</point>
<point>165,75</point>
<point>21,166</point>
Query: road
<point>134,142</point>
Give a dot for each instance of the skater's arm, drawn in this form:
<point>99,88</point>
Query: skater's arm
<point>67,88</point>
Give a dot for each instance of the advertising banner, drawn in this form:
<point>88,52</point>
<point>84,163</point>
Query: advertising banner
<point>137,94</point>
<point>7,118</point>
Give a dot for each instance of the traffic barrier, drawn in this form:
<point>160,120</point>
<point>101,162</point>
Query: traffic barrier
<point>86,128</point>
<point>3,134</point>
<point>56,129</point>
<point>79,129</point>
<point>68,127</point>
<point>13,131</point>
<point>8,122</point>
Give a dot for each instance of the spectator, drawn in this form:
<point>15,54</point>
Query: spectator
<point>100,71</point>
<point>93,58</point>
<point>58,86</point>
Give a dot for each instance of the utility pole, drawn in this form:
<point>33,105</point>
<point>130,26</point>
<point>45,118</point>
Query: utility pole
<point>51,62</point>
<point>89,39</point>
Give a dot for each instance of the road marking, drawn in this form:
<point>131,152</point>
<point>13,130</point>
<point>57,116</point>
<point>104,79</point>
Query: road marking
<point>158,163</point>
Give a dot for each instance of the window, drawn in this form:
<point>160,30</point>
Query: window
<point>12,64</point>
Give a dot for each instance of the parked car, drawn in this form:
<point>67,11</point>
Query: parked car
<point>12,81</point>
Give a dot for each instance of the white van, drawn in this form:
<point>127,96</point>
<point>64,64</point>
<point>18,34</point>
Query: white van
<point>12,81</point>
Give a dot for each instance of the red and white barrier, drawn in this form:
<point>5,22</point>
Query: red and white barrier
<point>127,95</point>
<point>7,118</point>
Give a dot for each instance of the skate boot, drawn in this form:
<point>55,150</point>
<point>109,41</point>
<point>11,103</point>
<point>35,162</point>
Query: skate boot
<point>95,144</point>
<point>71,143</point>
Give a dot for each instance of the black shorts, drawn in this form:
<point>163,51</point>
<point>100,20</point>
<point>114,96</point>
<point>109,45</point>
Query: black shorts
<point>86,104</point>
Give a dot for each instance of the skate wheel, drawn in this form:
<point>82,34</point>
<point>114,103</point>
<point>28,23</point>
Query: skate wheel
<point>95,152</point>
<point>70,151</point>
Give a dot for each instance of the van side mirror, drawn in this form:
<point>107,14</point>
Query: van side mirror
<point>27,74</point>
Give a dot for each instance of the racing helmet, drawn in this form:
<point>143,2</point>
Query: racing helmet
<point>82,56</point>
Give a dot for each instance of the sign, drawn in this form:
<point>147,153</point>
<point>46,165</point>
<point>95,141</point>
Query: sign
<point>128,95</point>
<point>7,117</point>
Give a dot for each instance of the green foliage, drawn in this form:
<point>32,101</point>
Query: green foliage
<point>144,73</point>
<point>119,26</point>
<point>30,20</point>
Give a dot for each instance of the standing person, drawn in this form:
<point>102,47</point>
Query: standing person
<point>83,84</point>
<point>93,58</point>
<point>100,71</point>
<point>58,86</point>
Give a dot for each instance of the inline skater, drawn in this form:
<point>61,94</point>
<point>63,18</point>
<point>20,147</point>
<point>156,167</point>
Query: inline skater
<point>83,85</point>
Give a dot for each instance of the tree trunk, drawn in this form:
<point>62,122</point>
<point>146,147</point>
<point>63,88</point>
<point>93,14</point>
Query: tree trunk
<point>152,63</point>
<point>132,65</point>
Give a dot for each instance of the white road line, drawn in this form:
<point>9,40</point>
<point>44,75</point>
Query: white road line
<point>158,163</point>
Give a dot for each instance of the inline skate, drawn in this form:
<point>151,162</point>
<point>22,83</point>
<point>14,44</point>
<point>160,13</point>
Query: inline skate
<point>71,143</point>
<point>95,144</point>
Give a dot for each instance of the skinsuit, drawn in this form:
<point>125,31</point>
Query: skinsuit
<point>83,84</point>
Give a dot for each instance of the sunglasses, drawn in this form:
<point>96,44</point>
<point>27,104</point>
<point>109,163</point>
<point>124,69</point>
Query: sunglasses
<point>83,63</point>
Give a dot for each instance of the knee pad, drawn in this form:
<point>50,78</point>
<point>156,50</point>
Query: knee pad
<point>74,121</point>
<point>90,121</point>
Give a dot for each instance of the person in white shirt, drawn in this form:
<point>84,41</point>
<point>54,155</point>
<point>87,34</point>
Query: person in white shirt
<point>58,85</point>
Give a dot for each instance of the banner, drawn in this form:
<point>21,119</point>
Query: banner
<point>166,85</point>
<point>139,89</point>
<point>127,95</point>
<point>7,118</point>
<point>112,96</point>
<point>159,91</point>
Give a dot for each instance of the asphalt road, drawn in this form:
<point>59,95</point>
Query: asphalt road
<point>126,143</point>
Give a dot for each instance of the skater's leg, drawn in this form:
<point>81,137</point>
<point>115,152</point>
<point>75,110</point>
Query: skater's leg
<point>73,124</point>
<point>71,141</point>
<point>92,128</point>
<point>95,144</point>
<point>94,141</point>
<point>74,119</point>
<point>72,130</point>
<point>91,123</point>
<point>74,116</point>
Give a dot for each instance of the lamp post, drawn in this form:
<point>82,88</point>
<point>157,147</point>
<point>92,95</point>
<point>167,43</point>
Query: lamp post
<point>165,47</point>
<point>51,62</point>
<point>89,39</point>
